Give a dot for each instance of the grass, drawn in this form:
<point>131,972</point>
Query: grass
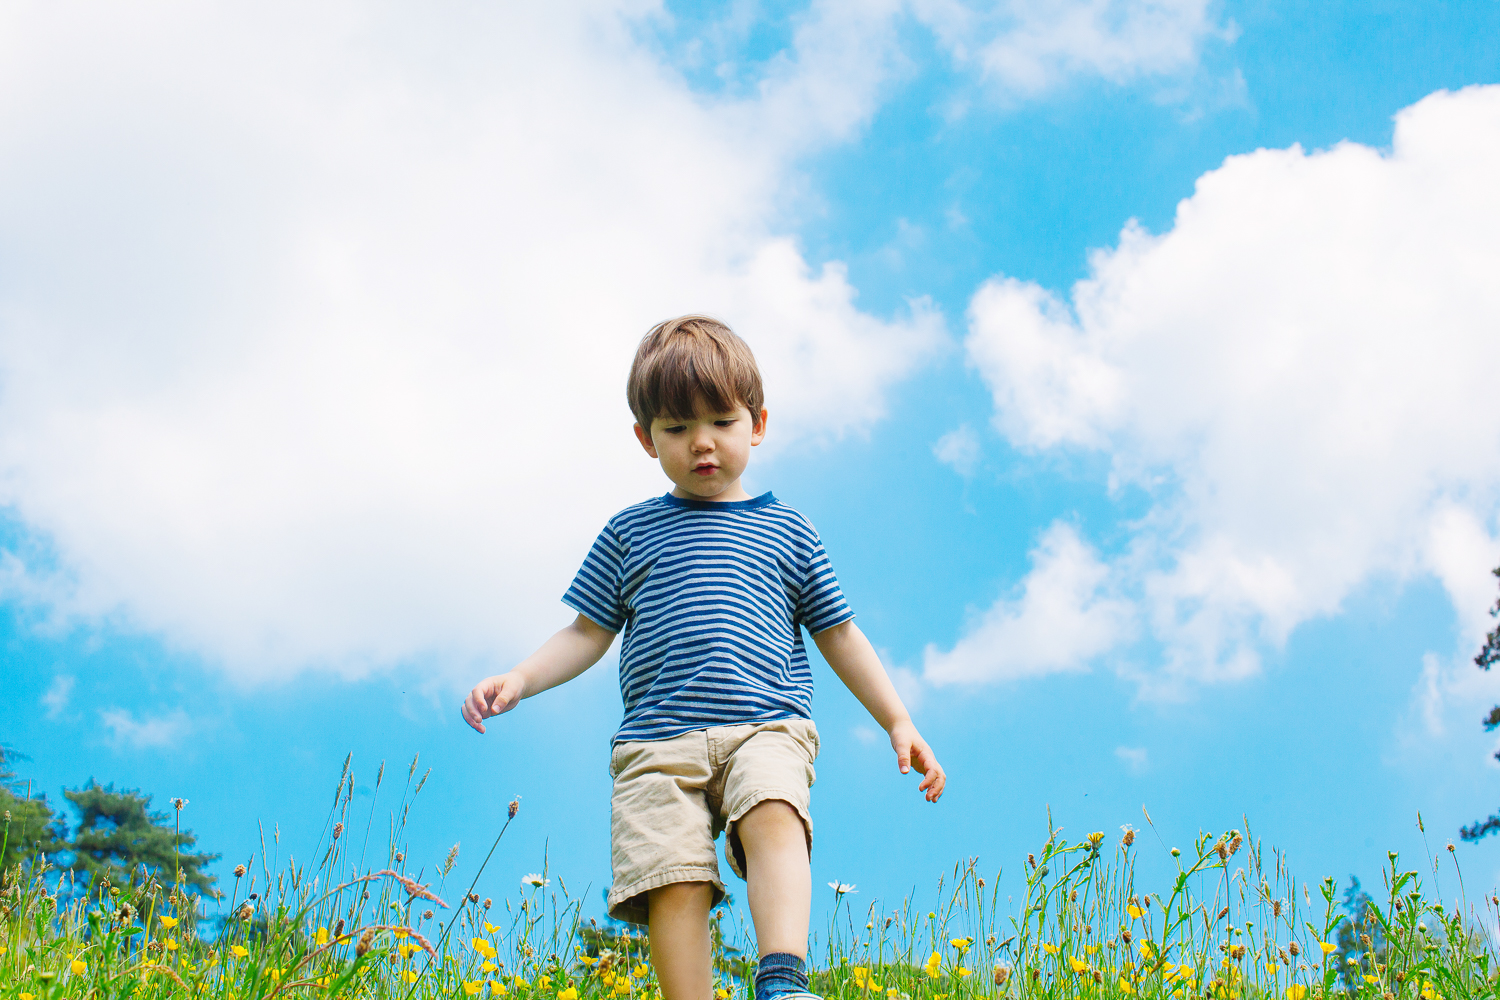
<point>1233,923</point>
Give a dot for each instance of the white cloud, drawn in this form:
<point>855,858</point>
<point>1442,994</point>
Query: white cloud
<point>1300,374</point>
<point>1135,759</point>
<point>866,735</point>
<point>145,733</point>
<point>1062,619</point>
<point>315,320</point>
<point>1028,46</point>
<point>55,699</point>
<point>959,448</point>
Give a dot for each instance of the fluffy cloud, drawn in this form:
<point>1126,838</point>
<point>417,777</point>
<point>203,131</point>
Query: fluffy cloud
<point>1299,376</point>
<point>1061,619</point>
<point>1027,46</point>
<point>125,730</point>
<point>314,320</point>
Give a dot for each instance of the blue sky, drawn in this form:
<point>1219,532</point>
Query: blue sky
<point>310,388</point>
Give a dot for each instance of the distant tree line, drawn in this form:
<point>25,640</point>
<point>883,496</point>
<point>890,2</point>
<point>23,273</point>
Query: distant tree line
<point>116,835</point>
<point>1488,656</point>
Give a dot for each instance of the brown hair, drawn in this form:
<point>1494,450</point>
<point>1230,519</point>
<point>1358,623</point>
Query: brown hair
<point>687,359</point>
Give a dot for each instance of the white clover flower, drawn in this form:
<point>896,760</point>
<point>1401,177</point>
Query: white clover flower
<point>536,880</point>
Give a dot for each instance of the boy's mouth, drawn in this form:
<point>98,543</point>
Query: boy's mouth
<point>705,469</point>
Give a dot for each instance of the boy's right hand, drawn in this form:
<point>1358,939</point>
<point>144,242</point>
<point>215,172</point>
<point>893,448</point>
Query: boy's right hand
<point>491,697</point>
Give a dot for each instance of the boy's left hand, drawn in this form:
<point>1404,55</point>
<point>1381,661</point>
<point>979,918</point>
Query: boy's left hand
<point>913,752</point>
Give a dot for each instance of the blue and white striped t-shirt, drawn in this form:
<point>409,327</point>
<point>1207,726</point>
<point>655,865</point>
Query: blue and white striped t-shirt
<point>710,596</point>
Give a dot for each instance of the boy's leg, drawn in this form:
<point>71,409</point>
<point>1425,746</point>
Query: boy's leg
<point>778,875</point>
<point>681,950</point>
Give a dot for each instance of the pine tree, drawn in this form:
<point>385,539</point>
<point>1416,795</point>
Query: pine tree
<point>118,835</point>
<point>30,831</point>
<point>1489,655</point>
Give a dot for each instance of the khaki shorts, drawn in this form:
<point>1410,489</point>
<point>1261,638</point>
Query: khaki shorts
<point>672,798</point>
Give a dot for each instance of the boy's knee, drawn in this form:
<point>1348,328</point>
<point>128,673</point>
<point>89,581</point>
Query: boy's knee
<point>773,819</point>
<point>681,894</point>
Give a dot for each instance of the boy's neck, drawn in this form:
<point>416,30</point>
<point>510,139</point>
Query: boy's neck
<point>734,491</point>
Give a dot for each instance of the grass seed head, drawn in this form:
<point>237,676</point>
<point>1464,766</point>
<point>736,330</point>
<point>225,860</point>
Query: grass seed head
<point>363,946</point>
<point>338,830</point>
<point>239,871</point>
<point>1293,949</point>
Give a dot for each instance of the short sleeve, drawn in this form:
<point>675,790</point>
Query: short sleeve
<point>596,589</point>
<point>821,604</point>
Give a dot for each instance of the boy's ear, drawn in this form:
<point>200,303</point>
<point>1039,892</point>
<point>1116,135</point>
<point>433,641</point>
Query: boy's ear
<point>758,432</point>
<point>645,439</point>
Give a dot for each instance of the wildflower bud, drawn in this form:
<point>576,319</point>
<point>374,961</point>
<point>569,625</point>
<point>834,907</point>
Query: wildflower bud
<point>473,897</point>
<point>515,807</point>
<point>1400,977</point>
<point>1275,907</point>
<point>338,928</point>
<point>1125,936</point>
<point>239,871</point>
<point>1293,949</point>
<point>1364,939</point>
<point>1450,847</point>
<point>1147,901</point>
<point>1031,859</point>
<point>1235,842</point>
<point>338,830</point>
<point>1129,837</point>
<point>1073,896</point>
<point>364,895</point>
<point>364,942</point>
<point>1176,853</point>
<point>1098,976</point>
<point>400,857</point>
<point>426,914</point>
<point>487,902</point>
<point>1002,973</point>
<point>1221,851</point>
<point>981,883</point>
<point>1096,838</point>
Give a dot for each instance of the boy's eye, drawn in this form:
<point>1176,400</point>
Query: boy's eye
<point>724,423</point>
<point>675,429</point>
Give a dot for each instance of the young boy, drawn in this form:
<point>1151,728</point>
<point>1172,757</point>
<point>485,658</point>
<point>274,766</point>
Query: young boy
<point>712,588</point>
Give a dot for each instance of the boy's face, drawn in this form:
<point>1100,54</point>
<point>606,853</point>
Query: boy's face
<point>705,456</point>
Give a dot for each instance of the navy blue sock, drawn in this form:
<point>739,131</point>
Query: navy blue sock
<point>780,972</point>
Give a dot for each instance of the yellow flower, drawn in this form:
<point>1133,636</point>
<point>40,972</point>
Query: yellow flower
<point>322,938</point>
<point>1296,991</point>
<point>962,944</point>
<point>1146,949</point>
<point>1328,947</point>
<point>483,947</point>
<point>489,967</point>
<point>490,928</point>
<point>571,993</point>
<point>543,982</point>
<point>964,972</point>
<point>1078,965</point>
<point>1272,969</point>
<point>171,945</point>
<point>168,922</point>
<point>1372,979</point>
<point>622,985</point>
<point>521,984</point>
<point>1184,971</point>
<point>77,967</point>
<point>408,950</point>
<point>1125,986</point>
<point>1092,949</point>
<point>721,993</point>
<point>471,988</point>
<point>1134,911</point>
<point>238,950</point>
<point>497,989</point>
<point>26,996</point>
<point>401,932</point>
<point>641,971</point>
<point>934,965</point>
<point>409,976</point>
<point>1177,992</point>
<point>275,974</point>
<point>588,960</point>
<point>1050,948</point>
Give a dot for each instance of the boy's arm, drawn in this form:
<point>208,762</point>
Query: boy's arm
<point>567,654</point>
<point>852,657</point>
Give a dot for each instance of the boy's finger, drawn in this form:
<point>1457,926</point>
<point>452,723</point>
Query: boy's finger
<point>903,761</point>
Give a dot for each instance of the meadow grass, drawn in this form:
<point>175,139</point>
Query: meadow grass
<point>1233,923</point>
